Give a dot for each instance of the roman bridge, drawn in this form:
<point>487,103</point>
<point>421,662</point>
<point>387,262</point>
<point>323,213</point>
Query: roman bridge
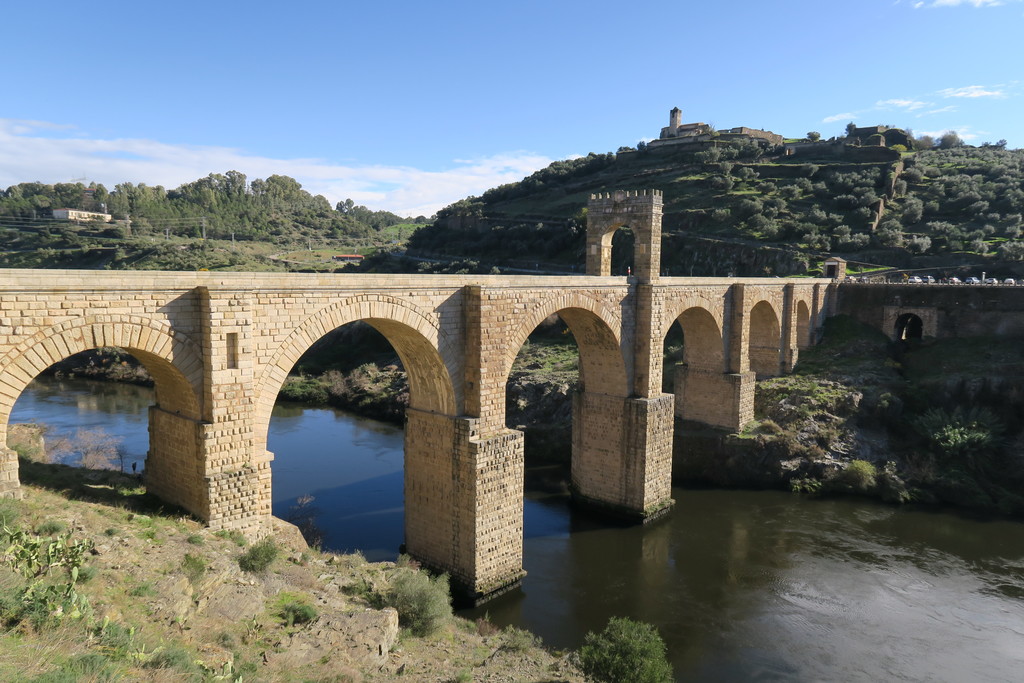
<point>220,345</point>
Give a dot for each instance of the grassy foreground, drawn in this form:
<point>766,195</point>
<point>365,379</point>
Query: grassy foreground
<point>99,582</point>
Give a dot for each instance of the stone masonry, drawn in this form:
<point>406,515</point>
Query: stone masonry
<point>220,345</point>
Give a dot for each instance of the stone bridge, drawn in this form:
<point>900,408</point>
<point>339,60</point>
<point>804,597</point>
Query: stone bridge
<point>220,345</point>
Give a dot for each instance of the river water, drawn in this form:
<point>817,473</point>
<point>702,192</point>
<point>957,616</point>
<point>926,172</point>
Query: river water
<point>743,586</point>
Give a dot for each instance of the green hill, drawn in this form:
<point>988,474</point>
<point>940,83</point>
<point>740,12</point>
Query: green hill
<point>738,208</point>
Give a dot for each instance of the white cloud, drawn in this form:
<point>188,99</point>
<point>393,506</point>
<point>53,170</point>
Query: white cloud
<point>956,3</point>
<point>965,133</point>
<point>30,151</point>
<point>940,110</point>
<point>971,91</point>
<point>839,117</point>
<point>907,105</point>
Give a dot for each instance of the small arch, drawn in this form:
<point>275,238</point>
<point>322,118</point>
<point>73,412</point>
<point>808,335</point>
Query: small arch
<point>765,340</point>
<point>909,326</point>
<point>803,325</point>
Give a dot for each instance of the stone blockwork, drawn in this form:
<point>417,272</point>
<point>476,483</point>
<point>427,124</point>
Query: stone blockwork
<point>220,346</point>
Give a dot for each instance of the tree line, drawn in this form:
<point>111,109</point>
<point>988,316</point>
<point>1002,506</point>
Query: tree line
<point>221,206</point>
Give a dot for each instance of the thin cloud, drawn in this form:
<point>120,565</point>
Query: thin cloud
<point>907,105</point>
<point>847,116</point>
<point>941,110</point>
<point>957,3</point>
<point>971,91</point>
<point>44,152</point>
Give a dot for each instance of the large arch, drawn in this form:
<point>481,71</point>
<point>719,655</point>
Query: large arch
<point>596,328</point>
<point>174,469</point>
<point>702,340</point>
<point>765,340</point>
<point>171,358</point>
<point>426,353</point>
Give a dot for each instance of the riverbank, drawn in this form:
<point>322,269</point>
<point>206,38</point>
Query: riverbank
<point>157,596</point>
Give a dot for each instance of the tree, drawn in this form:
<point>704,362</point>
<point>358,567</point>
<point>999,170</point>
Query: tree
<point>924,142</point>
<point>949,140</point>
<point>813,136</point>
<point>625,650</point>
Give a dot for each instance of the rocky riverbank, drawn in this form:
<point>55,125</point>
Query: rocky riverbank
<point>99,582</point>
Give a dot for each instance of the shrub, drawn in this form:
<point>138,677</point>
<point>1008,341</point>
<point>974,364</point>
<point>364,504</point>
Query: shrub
<point>518,640</point>
<point>294,609</point>
<point>9,512</point>
<point>858,476</point>
<point>171,658</point>
<point>625,650</point>
<point>51,527</point>
<point>194,568</point>
<point>260,556</point>
<point>423,603</point>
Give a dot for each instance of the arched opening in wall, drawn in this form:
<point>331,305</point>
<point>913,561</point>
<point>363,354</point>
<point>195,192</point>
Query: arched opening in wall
<point>803,325</point>
<point>336,431</point>
<point>765,340</point>
<point>694,362</point>
<point>570,359</point>
<point>623,250</point>
<point>113,411</point>
<point>909,326</point>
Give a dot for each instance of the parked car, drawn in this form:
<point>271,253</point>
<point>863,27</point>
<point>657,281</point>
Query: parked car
<point>930,279</point>
<point>972,281</point>
<point>954,281</point>
<point>1009,281</point>
<point>991,281</point>
<point>915,280</point>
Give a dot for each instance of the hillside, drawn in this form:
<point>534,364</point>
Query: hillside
<point>220,222</point>
<point>99,582</point>
<point>738,208</point>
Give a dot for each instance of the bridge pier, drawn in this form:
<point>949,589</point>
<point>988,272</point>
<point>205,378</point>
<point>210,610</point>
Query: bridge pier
<point>622,454</point>
<point>464,502</point>
<point>718,399</point>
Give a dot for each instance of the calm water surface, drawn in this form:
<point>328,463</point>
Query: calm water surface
<point>744,586</point>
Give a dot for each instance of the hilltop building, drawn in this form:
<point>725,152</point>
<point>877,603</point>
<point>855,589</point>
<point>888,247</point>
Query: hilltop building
<point>679,133</point>
<point>79,215</point>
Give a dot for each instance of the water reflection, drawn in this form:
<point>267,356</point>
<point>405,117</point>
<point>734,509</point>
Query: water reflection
<point>743,585</point>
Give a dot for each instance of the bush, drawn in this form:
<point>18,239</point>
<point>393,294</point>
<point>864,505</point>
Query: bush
<point>625,650</point>
<point>859,476</point>
<point>194,568</point>
<point>260,556</point>
<point>423,603</point>
<point>518,640</point>
<point>9,512</point>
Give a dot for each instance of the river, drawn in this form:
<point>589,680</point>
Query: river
<point>743,586</point>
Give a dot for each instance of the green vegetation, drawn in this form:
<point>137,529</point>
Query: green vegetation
<point>259,556</point>
<point>423,603</point>
<point>625,650</point>
<point>738,209</point>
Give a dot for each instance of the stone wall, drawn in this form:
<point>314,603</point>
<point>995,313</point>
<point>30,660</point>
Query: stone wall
<point>220,345</point>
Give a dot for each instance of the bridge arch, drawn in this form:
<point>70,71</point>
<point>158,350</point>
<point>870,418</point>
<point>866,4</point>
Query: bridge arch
<point>765,340</point>
<point>596,328</point>
<point>174,469</point>
<point>908,326</point>
<point>803,324</point>
<point>171,358</point>
<point>427,354</point>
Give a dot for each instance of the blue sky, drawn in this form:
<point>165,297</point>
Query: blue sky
<point>408,106</point>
